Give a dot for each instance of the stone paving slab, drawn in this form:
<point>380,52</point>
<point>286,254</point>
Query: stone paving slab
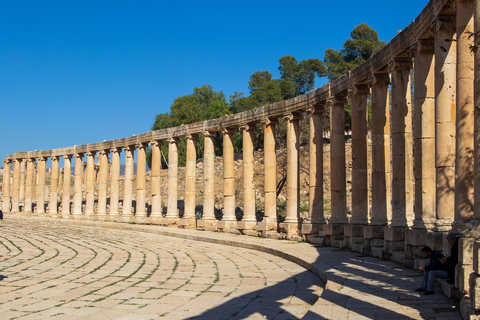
<point>241,284</point>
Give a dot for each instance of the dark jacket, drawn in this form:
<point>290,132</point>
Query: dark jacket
<point>435,263</point>
<point>452,261</point>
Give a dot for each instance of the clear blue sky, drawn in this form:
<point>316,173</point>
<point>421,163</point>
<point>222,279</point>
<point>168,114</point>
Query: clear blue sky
<point>77,72</point>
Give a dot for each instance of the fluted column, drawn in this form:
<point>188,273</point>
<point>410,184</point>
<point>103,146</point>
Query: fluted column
<point>270,162</point>
<point>41,168</point>
<point>78,183</point>
<point>16,186</point>
<point>424,135</point>
<point>228,176</point>
<point>102,185</point>
<point>191,164</point>
<point>113,213</point>
<point>6,185</point>
<point>156,192</point>
<point>52,207</point>
<point>402,143</point>
<point>172,210</point>
<point>445,113</point>
<point>29,185</point>
<point>141,214</point>
<point>90,185</point>
<point>249,217</point>
<point>22,181</point>
<point>464,117</point>
<point>209,177</point>
<point>128,184</point>
<point>67,172</point>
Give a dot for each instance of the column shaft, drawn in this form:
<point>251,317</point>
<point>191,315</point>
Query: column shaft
<point>477,115</point>
<point>41,168</point>
<point>102,184</point>
<point>52,207</point>
<point>90,185</point>
<point>16,186</point>
<point>249,214</point>
<point>172,209</point>
<point>67,173</point>
<point>6,186</point>
<point>114,188</point>
<point>270,161</point>
<point>29,184</point>
<point>141,190</point>
<point>191,165</point>
<point>22,181</point>
<point>128,184</point>
<point>77,196</point>
<point>209,177</point>
<point>156,192</point>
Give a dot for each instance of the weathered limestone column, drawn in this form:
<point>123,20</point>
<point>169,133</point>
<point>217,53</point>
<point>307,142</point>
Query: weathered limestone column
<point>60,183</point>
<point>337,166</point>
<point>156,193</point>
<point>270,162</point>
<point>402,143</point>
<point>249,220</point>
<point>90,185</point>
<point>16,186</point>
<point>128,184</point>
<point>113,213</point>
<point>477,115</point>
<point>228,218</point>
<point>209,178</point>
<point>102,185</point>
<point>290,226</point>
<point>52,207</point>
<point>424,135</point>
<point>191,164</point>
<point>41,167</point>
<point>67,172</point>
<point>141,213</point>
<point>78,182</point>
<point>445,114</point>
<point>465,117</point>
<point>29,184</point>
<point>22,181</point>
<point>6,185</point>
<point>172,209</point>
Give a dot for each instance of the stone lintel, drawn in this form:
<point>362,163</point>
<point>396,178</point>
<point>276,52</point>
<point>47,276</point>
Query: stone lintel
<point>394,233</point>
<point>435,240</point>
<point>416,237</point>
<point>373,232</point>
<point>288,227</point>
<point>333,229</point>
<point>353,230</point>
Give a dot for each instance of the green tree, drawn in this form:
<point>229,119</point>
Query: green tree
<point>298,78</point>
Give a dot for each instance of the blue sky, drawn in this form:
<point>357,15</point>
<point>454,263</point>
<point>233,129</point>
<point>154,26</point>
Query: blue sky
<point>77,72</point>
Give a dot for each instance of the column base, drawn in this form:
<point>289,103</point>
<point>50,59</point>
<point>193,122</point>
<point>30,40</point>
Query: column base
<point>124,219</point>
<point>100,217</point>
<point>311,228</point>
<point>267,226</point>
<point>187,223</point>
<point>247,225</point>
<point>138,220</point>
<point>224,226</point>
<point>168,221</point>
<point>207,224</point>
<point>333,229</point>
<point>289,228</point>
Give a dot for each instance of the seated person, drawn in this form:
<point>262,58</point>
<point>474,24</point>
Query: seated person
<point>435,269</point>
<point>451,262</point>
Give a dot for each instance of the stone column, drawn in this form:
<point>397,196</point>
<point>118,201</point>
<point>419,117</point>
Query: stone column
<point>113,213</point>
<point>249,219</point>
<point>208,216</point>
<point>464,118</point>
<point>41,167</point>
<point>67,172</point>
<point>228,218</point>
<point>172,209</point>
<point>78,183</point>
<point>477,115</point>
<point>22,182</point>
<point>191,164</point>
<point>402,143</point>
<point>424,135</point>
<point>128,184</point>
<point>52,207</point>
<point>270,162</point>
<point>29,185</point>
<point>102,185</point>
<point>6,185</point>
<point>156,192</point>
<point>60,183</point>
<point>16,186</point>
<point>445,110</point>
<point>141,213</point>
<point>90,185</point>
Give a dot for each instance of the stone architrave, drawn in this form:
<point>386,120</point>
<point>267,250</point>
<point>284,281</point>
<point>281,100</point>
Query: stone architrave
<point>156,191</point>
<point>102,185</point>
<point>53,204</point>
<point>67,173</point>
<point>209,177</point>
<point>270,162</point>
<point>172,208</point>
<point>464,191</point>
<point>6,185</point>
<point>360,205</point>
<point>424,134</point>
<point>477,115</point>
<point>29,184</point>
<point>41,168</point>
<point>445,118</point>
<point>228,177</point>
<point>249,214</point>
<point>113,213</point>
<point>16,186</point>
<point>127,212</point>
<point>90,185</point>
<point>141,213</point>
<point>337,160</point>
<point>21,194</point>
<point>381,210</point>
<point>402,143</point>
<point>191,164</point>
<point>78,182</point>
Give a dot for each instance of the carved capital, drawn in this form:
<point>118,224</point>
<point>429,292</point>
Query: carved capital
<point>443,23</point>
<point>191,136</point>
<point>209,134</point>
<point>54,158</point>
<point>226,131</point>
<point>378,78</point>
<point>116,149</point>
<point>337,101</point>
<point>43,159</point>
<point>269,121</point>
<point>291,116</point>
<point>172,140</point>
<point>360,89</point>
<point>154,143</point>
<point>104,152</point>
<point>91,153</point>
<point>424,46</point>
<point>244,127</point>
<point>67,156</point>
<point>129,148</point>
<point>7,161</point>
<point>400,64</point>
<point>141,145</point>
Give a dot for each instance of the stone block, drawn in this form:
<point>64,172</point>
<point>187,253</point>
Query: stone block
<point>373,232</point>
<point>311,228</point>
<point>203,223</point>
<point>416,237</point>
<point>225,225</point>
<point>476,256</point>
<point>474,290</point>
<point>354,230</point>
<point>378,252</point>
<point>465,250</point>
<point>448,289</point>
<point>398,257</point>
<point>186,223</point>
<point>409,252</point>
<point>377,243</point>
<point>367,246</point>
<point>435,240</point>
<point>293,237</point>
<point>247,225</point>
<point>466,307</point>
<point>273,235</point>
<point>314,239</point>
<point>168,221</point>
<point>391,246</point>
<point>357,240</point>
<point>337,241</point>
<point>252,233</point>
<point>333,229</point>
<point>462,277</point>
<point>357,247</point>
<point>420,263</point>
<point>394,233</point>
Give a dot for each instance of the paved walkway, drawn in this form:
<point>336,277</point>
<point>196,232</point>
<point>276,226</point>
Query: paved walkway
<point>66,269</point>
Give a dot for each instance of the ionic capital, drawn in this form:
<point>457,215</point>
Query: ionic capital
<point>116,149</point>
<point>291,116</point>
<point>130,148</point>
<point>400,64</point>
<point>54,158</point>
<point>7,161</point>
<point>226,131</point>
<point>67,156</point>
<point>141,145</point>
<point>172,140</point>
<point>378,78</point>
<point>443,23</point>
<point>192,137</point>
<point>42,158</point>
<point>337,100</point>
<point>361,89</point>
<point>244,127</point>
<point>104,152</point>
<point>91,153</point>
<point>78,155</point>
<point>269,121</point>
<point>209,133</point>
<point>424,46</point>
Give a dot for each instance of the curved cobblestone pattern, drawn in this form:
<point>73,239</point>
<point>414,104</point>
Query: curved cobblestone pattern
<point>64,271</point>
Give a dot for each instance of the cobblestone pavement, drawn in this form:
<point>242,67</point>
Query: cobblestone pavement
<point>79,269</point>
<point>53,269</point>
